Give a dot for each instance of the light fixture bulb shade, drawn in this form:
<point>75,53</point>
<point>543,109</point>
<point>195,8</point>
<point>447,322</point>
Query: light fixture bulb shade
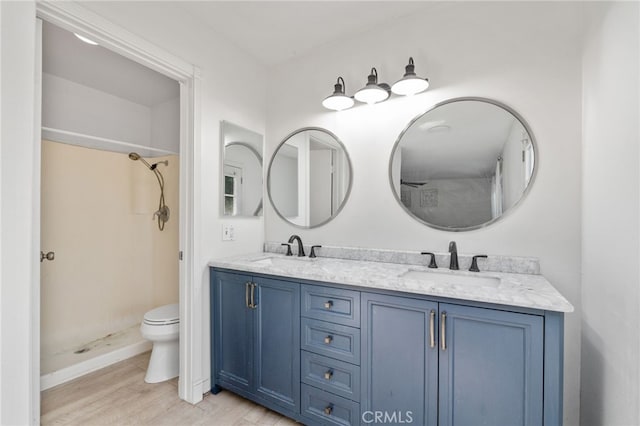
<point>410,85</point>
<point>337,102</point>
<point>371,94</point>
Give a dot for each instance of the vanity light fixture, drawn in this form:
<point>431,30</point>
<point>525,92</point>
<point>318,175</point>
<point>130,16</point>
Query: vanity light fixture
<point>410,83</point>
<point>85,39</point>
<point>373,92</point>
<point>338,100</point>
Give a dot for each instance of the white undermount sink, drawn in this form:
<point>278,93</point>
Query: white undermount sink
<point>282,261</point>
<point>451,279</point>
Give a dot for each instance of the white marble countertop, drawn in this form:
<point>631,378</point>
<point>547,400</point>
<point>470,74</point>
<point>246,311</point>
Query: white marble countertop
<point>524,290</point>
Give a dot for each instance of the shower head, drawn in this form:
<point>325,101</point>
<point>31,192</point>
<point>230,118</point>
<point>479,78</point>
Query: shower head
<point>163,211</point>
<point>135,156</point>
<point>154,165</point>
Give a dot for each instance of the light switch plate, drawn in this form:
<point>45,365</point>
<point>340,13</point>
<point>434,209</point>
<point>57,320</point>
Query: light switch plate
<point>228,233</point>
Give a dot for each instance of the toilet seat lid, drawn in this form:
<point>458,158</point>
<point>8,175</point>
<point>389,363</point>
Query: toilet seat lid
<point>167,314</point>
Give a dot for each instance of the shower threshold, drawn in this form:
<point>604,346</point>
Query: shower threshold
<point>65,365</point>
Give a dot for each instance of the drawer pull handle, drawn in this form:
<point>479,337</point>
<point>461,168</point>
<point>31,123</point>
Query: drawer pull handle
<point>328,409</point>
<point>328,375</point>
<point>328,304</point>
<point>328,340</point>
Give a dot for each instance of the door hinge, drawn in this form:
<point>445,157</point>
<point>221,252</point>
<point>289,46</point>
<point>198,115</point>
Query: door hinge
<point>180,255</point>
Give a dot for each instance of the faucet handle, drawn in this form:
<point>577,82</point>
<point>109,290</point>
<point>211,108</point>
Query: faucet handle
<point>288,248</point>
<point>313,251</point>
<point>432,263</point>
<point>474,262</point>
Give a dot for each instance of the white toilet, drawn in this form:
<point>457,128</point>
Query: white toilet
<point>162,327</point>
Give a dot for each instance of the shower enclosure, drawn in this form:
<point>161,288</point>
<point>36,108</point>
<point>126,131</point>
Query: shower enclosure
<point>112,263</point>
<point>112,224</point>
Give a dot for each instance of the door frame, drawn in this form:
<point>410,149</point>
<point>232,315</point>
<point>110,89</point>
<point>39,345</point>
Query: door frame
<point>76,18</point>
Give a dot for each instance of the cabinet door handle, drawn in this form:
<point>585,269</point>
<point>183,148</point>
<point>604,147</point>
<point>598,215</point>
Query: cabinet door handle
<point>443,328</point>
<point>328,375</point>
<point>432,329</point>
<point>328,340</point>
<point>328,409</point>
<point>328,304</point>
<point>253,295</point>
<point>246,294</point>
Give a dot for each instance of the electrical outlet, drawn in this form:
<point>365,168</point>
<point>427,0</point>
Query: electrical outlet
<point>228,233</point>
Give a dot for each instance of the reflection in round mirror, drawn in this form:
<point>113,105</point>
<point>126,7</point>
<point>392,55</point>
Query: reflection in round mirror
<point>309,177</point>
<point>463,164</point>
<point>242,171</point>
<point>242,180</point>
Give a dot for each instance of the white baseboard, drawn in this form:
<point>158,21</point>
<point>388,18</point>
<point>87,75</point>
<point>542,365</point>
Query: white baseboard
<point>80,369</point>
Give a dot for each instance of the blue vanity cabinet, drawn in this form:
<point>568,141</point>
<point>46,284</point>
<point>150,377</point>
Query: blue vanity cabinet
<point>232,330</point>
<point>327,354</point>
<point>256,339</point>
<point>399,360</point>
<point>490,367</point>
<point>432,363</point>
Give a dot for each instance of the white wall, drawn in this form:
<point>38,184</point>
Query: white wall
<point>611,216</point>
<point>70,106</point>
<point>18,178</point>
<point>165,125</point>
<point>526,55</point>
<point>233,89</point>
<point>73,107</point>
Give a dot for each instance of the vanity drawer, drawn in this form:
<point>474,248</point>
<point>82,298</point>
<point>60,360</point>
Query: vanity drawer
<point>333,340</point>
<point>338,377</point>
<point>331,304</point>
<point>326,408</point>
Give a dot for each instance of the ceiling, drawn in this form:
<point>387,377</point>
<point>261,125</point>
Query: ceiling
<point>65,56</point>
<point>276,31</point>
<point>271,31</point>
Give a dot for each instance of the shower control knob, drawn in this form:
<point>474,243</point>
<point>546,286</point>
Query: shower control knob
<point>49,256</point>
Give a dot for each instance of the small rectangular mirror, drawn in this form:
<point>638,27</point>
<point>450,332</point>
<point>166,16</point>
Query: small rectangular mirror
<point>241,187</point>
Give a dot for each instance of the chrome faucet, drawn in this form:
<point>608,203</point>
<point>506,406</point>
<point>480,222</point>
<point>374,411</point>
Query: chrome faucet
<point>453,250</point>
<point>300,246</point>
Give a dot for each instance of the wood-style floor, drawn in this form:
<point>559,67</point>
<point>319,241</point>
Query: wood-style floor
<point>118,395</point>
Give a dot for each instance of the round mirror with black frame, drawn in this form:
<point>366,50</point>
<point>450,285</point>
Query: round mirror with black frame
<point>309,177</point>
<point>463,164</point>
